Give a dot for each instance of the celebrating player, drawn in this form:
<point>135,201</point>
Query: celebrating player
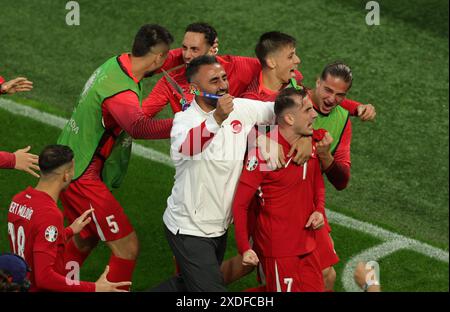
<point>292,209</point>
<point>199,39</point>
<point>100,131</point>
<point>36,229</point>
<point>209,141</point>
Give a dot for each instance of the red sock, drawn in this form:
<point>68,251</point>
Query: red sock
<point>120,270</point>
<point>72,253</point>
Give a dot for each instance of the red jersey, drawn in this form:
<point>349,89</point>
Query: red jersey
<point>339,171</point>
<point>2,80</point>
<point>7,160</point>
<point>36,232</point>
<point>257,91</point>
<point>289,196</point>
<point>240,71</point>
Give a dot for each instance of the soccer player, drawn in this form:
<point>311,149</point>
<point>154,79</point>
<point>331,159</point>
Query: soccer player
<point>36,230</point>
<point>293,204</point>
<point>106,119</point>
<point>334,150</point>
<point>208,144</point>
<point>19,84</point>
<point>199,39</point>
<point>276,51</point>
<point>20,160</point>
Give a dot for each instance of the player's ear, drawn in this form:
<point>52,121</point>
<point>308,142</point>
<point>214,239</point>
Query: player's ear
<point>214,49</point>
<point>317,82</point>
<point>288,119</point>
<point>270,61</point>
<point>66,175</point>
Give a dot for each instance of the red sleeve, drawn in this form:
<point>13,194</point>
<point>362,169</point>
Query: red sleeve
<point>68,233</point>
<point>192,145</point>
<point>241,71</point>
<point>339,171</point>
<point>174,58</point>
<point>45,253</point>
<point>125,109</point>
<point>157,99</point>
<point>319,192</point>
<point>47,278</point>
<point>2,80</point>
<point>250,95</point>
<point>351,106</point>
<point>245,192</point>
<point>7,160</point>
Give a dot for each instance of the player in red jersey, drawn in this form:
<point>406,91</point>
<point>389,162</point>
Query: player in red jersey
<point>36,229</point>
<point>293,205</point>
<point>199,39</point>
<point>100,132</point>
<point>277,53</point>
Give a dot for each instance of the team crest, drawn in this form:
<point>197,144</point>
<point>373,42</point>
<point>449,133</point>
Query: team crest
<point>236,126</point>
<point>51,233</point>
<point>252,163</point>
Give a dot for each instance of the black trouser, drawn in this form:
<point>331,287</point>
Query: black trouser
<point>199,260</point>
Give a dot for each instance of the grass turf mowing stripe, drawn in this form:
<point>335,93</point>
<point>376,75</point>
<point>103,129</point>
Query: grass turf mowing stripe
<point>393,242</point>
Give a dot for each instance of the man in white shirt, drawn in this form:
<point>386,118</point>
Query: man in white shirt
<point>208,145</point>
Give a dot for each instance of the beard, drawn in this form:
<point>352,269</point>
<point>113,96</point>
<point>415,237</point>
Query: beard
<point>211,102</point>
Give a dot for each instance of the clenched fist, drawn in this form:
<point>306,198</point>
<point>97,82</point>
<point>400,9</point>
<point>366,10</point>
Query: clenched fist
<point>224,108</point>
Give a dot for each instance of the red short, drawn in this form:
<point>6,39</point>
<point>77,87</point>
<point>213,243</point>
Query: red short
<point>109,221</point>
<point>325,248</point>
<point>293,274</point>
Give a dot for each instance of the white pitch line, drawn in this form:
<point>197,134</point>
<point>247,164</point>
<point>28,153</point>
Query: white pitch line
<point>392,241</point>
<point>371,254</point>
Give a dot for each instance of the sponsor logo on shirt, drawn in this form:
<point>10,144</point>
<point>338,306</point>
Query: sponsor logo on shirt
<point>236,126</point>
<point>252,163</point>
<point>51,233</point>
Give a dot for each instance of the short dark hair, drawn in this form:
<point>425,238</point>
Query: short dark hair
<point>194,65</point>
<point>149,36</point>
<point>53,157</point>
<point>339,70</point>
<point>205,29</point>
<point>270,42</point>
<point>285,99</point>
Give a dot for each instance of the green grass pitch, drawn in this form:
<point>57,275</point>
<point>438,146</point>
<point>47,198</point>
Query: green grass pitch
<point>399,162</point>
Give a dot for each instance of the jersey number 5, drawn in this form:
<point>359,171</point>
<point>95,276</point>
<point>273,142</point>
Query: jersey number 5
<point>20,247</point>
<point>113,226</point>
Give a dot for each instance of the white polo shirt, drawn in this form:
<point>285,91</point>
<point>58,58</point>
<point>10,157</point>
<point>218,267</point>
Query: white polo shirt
<point>203,192</point>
